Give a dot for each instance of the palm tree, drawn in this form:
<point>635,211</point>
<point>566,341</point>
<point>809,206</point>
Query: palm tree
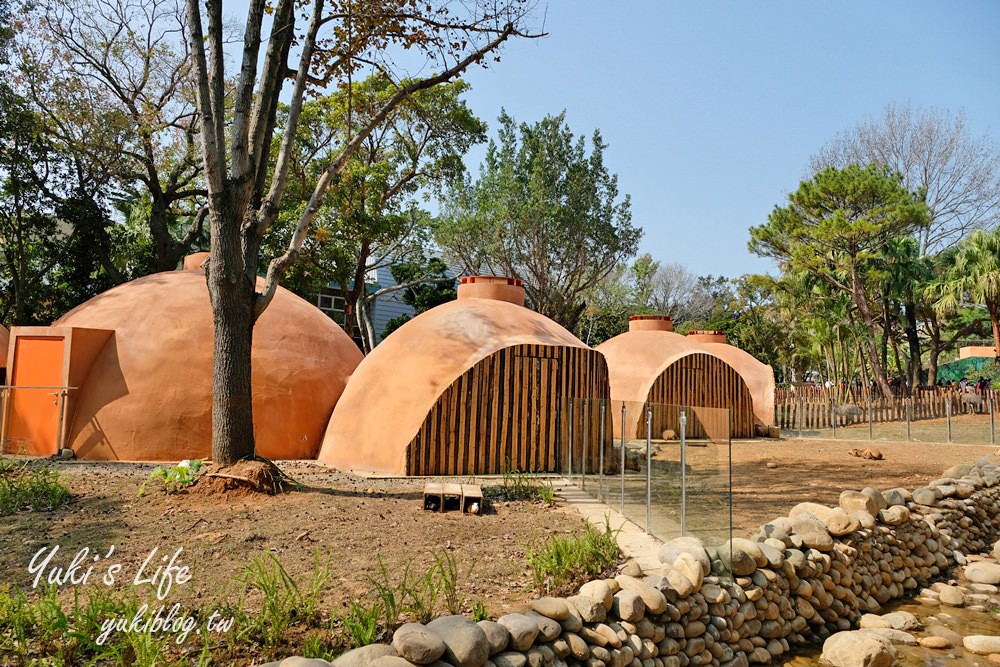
<point>972,274</point>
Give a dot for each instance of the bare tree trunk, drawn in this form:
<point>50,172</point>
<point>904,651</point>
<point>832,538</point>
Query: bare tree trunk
<point>913,340</point>
<point>232,290</point>
<point>878,370</point>
<point>365,324</point>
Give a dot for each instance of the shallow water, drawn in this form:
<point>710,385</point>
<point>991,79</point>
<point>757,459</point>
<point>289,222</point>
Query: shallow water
<point>959,619</point>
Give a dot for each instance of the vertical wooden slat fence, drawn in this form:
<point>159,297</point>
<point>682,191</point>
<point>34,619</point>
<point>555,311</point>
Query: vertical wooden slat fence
<point>819,410</point>
<point>703,381</point>
<point>509,411</point>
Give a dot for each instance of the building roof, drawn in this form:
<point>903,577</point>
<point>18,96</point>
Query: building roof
<point>148,395</point>
<point>397,384</point>
<point>637,357</point>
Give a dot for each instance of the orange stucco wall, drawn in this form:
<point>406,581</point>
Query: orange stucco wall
<point>394,388</point>
<point>148,394</point>
<point>976,351</point>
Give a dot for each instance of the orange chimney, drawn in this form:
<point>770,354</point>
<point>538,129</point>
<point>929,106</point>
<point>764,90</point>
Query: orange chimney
<point>650,323</point>
<point>498,288</point>
<point>708,336</point>
<point>194,261</point>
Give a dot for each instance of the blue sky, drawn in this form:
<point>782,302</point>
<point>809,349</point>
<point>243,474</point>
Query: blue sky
<point>711,109</point>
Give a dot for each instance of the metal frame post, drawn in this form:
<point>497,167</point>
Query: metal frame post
<point>649,466</point>
<point>833,418</point>
<point>992,405</point>
<point>802,416</point>
<point>947,417</point>
<point>870,418</point>
<point>600,455</point>
<point>906,403</point>
<point>583,445</point>
<point>621,451</point>
<point>570,474</point>
<point>684,475</point>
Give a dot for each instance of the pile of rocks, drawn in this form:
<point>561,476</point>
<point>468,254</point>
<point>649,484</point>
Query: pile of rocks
<point>805,578</point>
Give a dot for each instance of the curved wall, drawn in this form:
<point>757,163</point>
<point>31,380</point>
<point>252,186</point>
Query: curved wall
<point>148,395</point>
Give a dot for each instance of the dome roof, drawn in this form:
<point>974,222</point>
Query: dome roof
<point>148,395</point>
<point>399,381</point>
<point>758,376</point>
<point>637,357</point>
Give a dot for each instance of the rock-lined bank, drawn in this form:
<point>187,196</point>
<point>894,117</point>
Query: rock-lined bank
<point>803,579</point>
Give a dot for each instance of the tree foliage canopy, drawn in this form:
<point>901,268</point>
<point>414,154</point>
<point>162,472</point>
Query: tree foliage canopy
<point>543,209</point>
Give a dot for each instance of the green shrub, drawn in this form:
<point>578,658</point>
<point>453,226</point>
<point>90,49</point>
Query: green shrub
<point>27,485</point>
<point>561,563</point>
<point>175,478</point>
<point>285,599</point>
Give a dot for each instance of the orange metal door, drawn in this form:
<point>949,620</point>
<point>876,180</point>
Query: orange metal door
<point>33,421</point>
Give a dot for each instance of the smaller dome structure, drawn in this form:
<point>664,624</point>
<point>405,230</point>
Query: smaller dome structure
<point>650,363</point>
<point>473,386</point>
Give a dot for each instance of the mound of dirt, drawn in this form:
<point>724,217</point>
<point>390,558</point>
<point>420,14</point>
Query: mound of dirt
<point>243,478</point>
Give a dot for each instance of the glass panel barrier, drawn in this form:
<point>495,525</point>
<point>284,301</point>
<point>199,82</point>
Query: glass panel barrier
<point>666,468</point>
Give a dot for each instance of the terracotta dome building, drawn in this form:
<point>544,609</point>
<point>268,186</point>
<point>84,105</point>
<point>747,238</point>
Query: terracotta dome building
<point>140,359</point>
<point>758,376</point>
<point>650,363</point>
<point>469,387</point>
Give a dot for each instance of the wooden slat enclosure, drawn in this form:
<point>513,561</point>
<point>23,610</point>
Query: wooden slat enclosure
<point>700,380</point>
<point>510,411</point>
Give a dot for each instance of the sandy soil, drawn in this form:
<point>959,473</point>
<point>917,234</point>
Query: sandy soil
<point>818,470</point>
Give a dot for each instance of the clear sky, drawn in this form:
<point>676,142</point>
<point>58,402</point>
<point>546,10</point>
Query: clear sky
<point>711,109</point>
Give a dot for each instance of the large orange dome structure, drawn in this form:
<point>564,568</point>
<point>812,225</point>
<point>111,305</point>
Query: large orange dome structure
<point>146,391</point>
<point>651,364</point>
<point>469,387</point>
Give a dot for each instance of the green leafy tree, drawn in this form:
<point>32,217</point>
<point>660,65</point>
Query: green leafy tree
<point>110,80</point>
<point>625,291</point>
<point>972,274</point>
<point>371,220</point>
<point>835,228</point>
<point>437,288</point>
<point>544,209</point>
<point>334,41</point>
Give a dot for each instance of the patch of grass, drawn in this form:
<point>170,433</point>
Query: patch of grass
<point>479,611</point>
<point>285,599</point>
<point>25,485</point>
<point>561,563</point>
<point>517,485</point>
<point>361,622</point>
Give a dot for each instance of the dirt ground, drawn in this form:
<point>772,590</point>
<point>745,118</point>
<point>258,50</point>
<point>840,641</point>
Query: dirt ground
<point>818,470</point>
<point>349,520</point>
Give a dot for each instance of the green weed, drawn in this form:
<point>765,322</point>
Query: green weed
<point>479,611</point>
<point>361,623</point>
<point>25,485</point>
<point>285,600</point>
<point>560,563</point>
<point>175,478</point>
